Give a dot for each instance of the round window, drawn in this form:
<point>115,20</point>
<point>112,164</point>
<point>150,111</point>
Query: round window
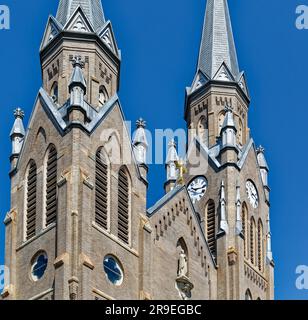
<point>39,266</point>
<point>113,270</point>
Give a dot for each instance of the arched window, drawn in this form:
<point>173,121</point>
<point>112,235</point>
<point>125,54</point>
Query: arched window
<point>123,206</point>
<point>211,226</point>
<point>202,130</point>
<point>103,95</point>
<point>252,241</point>
<point>54,93</point>
<point>221,119</point>
<point>51,174</point>
<point>240,132</point>
<point>248,295</point>
<point>31,194</point>
<point>101,190</point>
<point>245,228</point>
<point>260,246</point>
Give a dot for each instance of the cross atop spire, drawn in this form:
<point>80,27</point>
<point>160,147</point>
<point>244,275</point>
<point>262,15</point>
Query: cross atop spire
<point>92,8</point>
<point>217,45</point>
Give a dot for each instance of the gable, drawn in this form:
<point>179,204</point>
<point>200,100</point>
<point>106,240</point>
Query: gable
<point>176,207</point>
<point>107,36</point>
<point>224,74</point>
<point>79,22</point>
<point>53,28</point>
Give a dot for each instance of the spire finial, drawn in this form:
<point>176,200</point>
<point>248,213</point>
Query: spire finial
<point>260,149</point>
<point>140,123</point>
<point>77,61</point>
<point>19,113</point>
<point>228,108</point>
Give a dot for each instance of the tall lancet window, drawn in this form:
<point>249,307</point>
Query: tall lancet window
<point>101,190</point>
<point>55,92</point>
<point>260,246</point>
<point>202,130</point>
<point>252,241</point>
<point>123,206</point>
<point>103,96</point>
<point>221,119</point>
<point>240,133</point>
<point>31,195</point>
<point>51,172</point>
<point>211,226</point>
<point>245,229</point>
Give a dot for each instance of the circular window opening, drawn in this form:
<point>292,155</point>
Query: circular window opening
<point>113,270</point>
<point>39,266</point>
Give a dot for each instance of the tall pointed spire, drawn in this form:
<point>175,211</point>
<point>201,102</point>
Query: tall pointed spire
<point>92,8</point>
<point>217,45</point>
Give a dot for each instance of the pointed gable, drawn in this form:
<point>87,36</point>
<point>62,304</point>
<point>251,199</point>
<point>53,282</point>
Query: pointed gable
<point>79,22</point>
<point>92,9</point>
<point>107,35</point>
<point>53,28</point>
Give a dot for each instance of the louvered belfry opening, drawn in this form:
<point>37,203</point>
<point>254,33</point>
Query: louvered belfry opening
<point>51,186</point>
<point>260,246</point>
<point>123,206</point>
<point>31,201</point>
<point>211,227</point>
<point>101,191</point>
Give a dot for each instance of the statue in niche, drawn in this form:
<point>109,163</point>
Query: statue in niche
<point>182,265</point>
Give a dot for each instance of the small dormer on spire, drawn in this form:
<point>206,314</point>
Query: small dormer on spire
<point>171,167</point>
<point>17,133</point>
<point>228,130</point>
<point>78,85</point>
<point>140,142</point>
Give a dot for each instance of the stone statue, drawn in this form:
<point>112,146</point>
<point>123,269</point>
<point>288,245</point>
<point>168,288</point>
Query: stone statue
<point>182,268</point>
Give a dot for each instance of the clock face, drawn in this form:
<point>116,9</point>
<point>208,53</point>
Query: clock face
<point>197,189</point>
<point>252,194</point>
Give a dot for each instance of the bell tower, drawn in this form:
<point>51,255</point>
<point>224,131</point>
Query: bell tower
<point>80,29</point>
<point>217,69</point>
<point>229,187</point>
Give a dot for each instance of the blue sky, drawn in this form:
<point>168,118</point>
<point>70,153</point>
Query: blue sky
<point>160,42</point>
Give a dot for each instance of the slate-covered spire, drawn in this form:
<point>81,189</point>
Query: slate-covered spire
<point>217,44</point>
<point>93,9</point>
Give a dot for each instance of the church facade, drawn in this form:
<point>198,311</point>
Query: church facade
<point>79,227</point>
